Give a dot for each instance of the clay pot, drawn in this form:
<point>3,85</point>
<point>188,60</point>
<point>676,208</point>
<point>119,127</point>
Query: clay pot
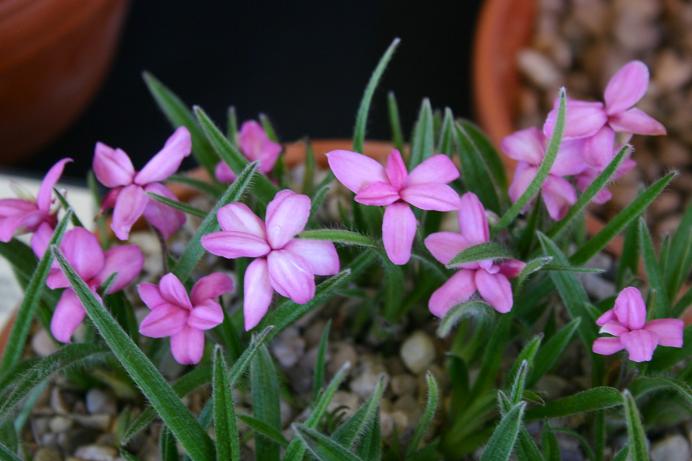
<point>54,54</point>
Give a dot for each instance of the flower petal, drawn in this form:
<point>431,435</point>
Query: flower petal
<point>258,293</point>
<point>511,268</point>
<point>256,145</point>
<point>355,170</point>
<point>640,344</point>
<point>286,218</point>
<point>377,194</point>
<point>613,328</point>
<point>125,260</point>
<point>598,149</point>
<point>68,315</point>
<point>582,119</point>
<point>668,331</point>
<point>458,289</point>
<point>150,294</point>
<point>187,346</point>
<point>224,173</point>
<point>630,309</point>
<point>210,287</point>
<point>165,219</point>
<point>130,205</point>
<point>558,195</point>
<point>112,167</point>
<point>168,159</point>
<point>626,87</point>
<point>526,145</point>
<point>233,245</point>
<point>606,317</point>
<point>166,320</point>
<point>41,239</point>
<point>173,291</point>
<point>45,193</point>
<point>523,175</point>
<point>436,197</point>
<point>495,289</point>
<point>396,170</point>
<point>206,315</point>
<point>11,225</point>
<point>444,246</point>
<point>398,231</point>
<point>570,158</point>
<point>319,255</point>
<point>607,346</point>
<point>473,222</point>
<point>637,122</point>
<point>290,276</point>
<point>83,251</point>
<point>434,169</point>
<point>238,217</point>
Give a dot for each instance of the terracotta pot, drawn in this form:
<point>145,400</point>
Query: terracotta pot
<point>54,55</point>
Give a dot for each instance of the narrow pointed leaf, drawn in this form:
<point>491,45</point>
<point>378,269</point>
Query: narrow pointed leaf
<point>532,267</point>
<point>395,122</point>
<point>661,304</point>
<point>351,432</point>
<point>322,447</point>
<point>225,424</point>
<point>678,265</point>
<point>428,413</point>
<point>176,205</point>
<point>320,360</point>
<point>549,354</point>
<point>479,252</point>
<point>423,141</point>
<point>596,398</point>
<point>445,144</point>
<point>492,161</point>
<point>267,431</point>
<point>501,443</point>
<point>455,314</point>
<point>342,236</point>
<point>526,449</point>
<point>638,450</point>
<point>264,387</point>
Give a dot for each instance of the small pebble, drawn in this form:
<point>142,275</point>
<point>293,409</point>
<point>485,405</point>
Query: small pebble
<point>47,454</point>
<point>42,344</point>
<point>99,401</point>
<point>288,347</point>
<point>672,448</point>
<point>96,453</point>
<point>418,352</point>
<point>59,424</point>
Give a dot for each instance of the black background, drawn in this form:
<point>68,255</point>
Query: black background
<point>304,64</point>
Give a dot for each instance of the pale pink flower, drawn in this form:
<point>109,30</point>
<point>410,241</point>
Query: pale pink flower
<point>254,144</point>
<point>82,250</point>
<point>282,263</point>
<point>19,215</point>
<point>489,278</point>
<point>528,147</point>
<point>393,187</point>
<point>627,324</point>
<point>184,318</point>
<point>129,188</point>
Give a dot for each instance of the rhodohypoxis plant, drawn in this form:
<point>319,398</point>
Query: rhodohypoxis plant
<point>503,289</point>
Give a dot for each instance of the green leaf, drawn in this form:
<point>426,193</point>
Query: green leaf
<point>210,188</point>
<point>423,141</point>
<point>267,431</point>
<point>646,384</point>
<point>677,265</point>
<point>320,360</point>
<point>178,113</point>
<point>66,205</point>
<point>394,289</point>
<point>428,414</point>
<point>322,447</point>
<point>683,303</point>
<point>455,314</point>
<point>371,446</point>
<point>549,354</point>
<point>167,404</point>
<point>193,251</point>
<point>176,205</point>
<point>474,169</point>
<point>264,387</point>
<point>395,122</point>
<point>661,305</point>
<point>342,236</point>
<point>352,431</point>
<point>622,455</point>
<point>446,142</point>
<point>585,198</point>
<point>7,454</point>
<point>225,425</point>
<point>492,161</point>
<point>532,267</point>
<point>635,431</point>
<point>551,448</point>
<point>526,450</point>
<point>492,357</point>
<point>364,108</point>
<point>232,125</point>
<point>542,174</point>
<point>309,175</point>
<point>264,190</point>
<point>127,456</point>
<point>168,449</point>
<point>596,398</point>
<point>616,224</point>
<point>501,443</point>
<point>628,263</point>
<point>268,127</point>
<point>479,252</point>
<point>32,295</point>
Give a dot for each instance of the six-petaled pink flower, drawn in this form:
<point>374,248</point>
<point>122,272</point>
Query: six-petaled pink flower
<point>82,250</point>
<point>255,145</point>
<point>19,215</point>
<point>393,187</point>
<point>489,278</point>
<point>627,324</point>
<point>283,263</point>
<point>528,147</point>
<point>184,318</point>
<point>129,188</point>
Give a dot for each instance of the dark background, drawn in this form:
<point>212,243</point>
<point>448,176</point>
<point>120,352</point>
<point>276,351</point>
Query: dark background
<point>304,64</point>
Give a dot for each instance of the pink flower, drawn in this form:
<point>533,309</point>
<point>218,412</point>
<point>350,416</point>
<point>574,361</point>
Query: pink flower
<point>184,318</point>
<point>627,324</point>
<point>585,178</point>
<point>23,215</point>
<point>255,145</point>
<point>82,250</point>
<point>394,188</point>
<point>129,188</point>
<point>282,263</point>
<point>528,147</point>
<point>488,278</point>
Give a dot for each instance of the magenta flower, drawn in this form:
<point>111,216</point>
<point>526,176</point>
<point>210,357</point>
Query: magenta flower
<point>184,318</point>
<point>129,188</point>
<point>283,263</point>
<point>489,278</point>
<point>394,188</point>
<point>528,147</point>
<point>627,324</point>
<point>22,215</point>
<point>82,250</point>
<point>255,145</point>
